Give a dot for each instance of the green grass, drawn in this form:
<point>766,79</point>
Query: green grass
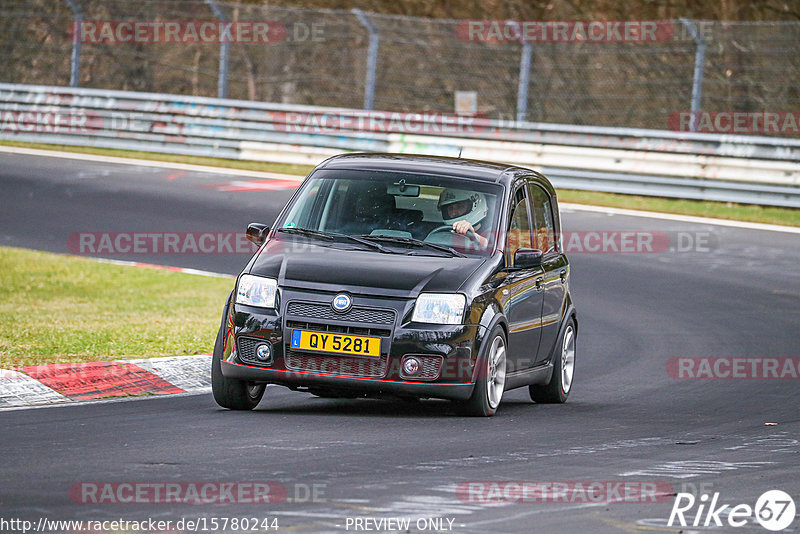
<point>56,308</point>
<point>700,208</point>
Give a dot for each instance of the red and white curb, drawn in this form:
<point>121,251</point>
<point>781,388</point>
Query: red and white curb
<point>65,383</point>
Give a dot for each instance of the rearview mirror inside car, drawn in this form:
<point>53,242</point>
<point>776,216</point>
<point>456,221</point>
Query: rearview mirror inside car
<point>403,190</point>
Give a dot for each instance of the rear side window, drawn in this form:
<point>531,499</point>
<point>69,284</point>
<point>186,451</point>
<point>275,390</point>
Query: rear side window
<point>543,226</point>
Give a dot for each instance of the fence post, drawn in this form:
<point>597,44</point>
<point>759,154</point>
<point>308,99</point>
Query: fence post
<point>222,82</point>
<point>699,62</point>
<point>524,73</point>
<point>75,61</point>
<point>372,58</point>
<point>524,79</point>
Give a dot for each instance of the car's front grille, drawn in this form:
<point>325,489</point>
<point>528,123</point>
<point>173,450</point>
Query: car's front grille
<point>349,329</point>
<point>359,321</point>
<point>336,365</point>
<point>246,349</point>
<point>356,314</point>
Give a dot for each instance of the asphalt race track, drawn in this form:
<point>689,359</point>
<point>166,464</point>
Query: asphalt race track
<point>716,292</point>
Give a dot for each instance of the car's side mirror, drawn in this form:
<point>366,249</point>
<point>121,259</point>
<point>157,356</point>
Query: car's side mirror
<point>257,233</point>
<point>525,258</point>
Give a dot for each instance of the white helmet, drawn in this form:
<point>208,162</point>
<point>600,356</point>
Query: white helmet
<point>457,205</point>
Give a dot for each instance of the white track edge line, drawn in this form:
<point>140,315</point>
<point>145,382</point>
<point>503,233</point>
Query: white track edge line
<point>149,163</point>
<point>185,270</point>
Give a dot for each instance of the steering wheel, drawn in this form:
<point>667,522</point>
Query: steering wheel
<point>455,239</point>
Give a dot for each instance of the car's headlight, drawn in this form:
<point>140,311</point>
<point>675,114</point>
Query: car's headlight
<point>256,291</point>
<point>439,308</point>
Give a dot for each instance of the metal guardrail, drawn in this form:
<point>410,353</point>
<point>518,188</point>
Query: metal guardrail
<point>369,60</point>
<point>744,169</point>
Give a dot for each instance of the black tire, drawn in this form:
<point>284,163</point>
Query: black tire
<point>230,393</point>
<point>486,398</point>
<point>558,389</point>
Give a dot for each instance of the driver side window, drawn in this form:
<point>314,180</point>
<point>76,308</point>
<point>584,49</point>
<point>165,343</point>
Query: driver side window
<point>519,228</point>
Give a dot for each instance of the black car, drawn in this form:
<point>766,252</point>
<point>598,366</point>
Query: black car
<point>405,276</point>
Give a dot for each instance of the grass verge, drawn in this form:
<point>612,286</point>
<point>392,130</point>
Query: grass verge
<point>698,208</point>
<point>56,308</point>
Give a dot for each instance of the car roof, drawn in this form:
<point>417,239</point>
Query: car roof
<point>466,168</point>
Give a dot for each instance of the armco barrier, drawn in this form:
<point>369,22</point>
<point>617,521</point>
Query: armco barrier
<point>745,169</point>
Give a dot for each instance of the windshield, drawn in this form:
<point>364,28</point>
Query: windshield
<point>399,209</point>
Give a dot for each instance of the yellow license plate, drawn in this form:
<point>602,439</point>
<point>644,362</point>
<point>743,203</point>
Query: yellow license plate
<point>338,343</point>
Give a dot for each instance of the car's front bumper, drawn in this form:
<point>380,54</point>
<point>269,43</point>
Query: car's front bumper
<point>447,351</point>
<point>343,384</point>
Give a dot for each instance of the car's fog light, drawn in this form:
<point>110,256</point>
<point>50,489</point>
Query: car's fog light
<point>411,366</point>
<point>264,352</point>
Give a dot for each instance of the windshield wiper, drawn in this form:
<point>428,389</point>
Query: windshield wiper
<point>415,242</point>
<point>330,236</point>
<point>306,232</point>
<point>376,246</point>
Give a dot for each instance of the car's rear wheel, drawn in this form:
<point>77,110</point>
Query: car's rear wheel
<point>557,390</point>
<point>230,393</point>
<point>491,380</point>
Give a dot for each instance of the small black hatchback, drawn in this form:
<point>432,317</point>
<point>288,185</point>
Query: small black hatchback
<point>405,276</point>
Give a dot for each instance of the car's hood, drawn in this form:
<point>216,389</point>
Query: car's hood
<point>302,264</point>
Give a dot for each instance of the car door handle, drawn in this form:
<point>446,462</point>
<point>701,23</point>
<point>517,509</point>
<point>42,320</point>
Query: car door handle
<point>563,276</point>
<point>539,283</point>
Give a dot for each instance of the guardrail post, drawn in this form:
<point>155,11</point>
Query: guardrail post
<point>372,58</point>
<point>222,81</point>
<point>699,62</point>
<point>75,61</point>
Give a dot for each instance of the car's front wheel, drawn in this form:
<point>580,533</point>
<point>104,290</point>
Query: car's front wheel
<point>491,380</point>
<point>557,390</point>
<point>230,393</point>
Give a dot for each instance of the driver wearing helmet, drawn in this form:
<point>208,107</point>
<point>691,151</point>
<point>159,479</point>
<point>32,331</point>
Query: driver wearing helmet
<point>465,210</point>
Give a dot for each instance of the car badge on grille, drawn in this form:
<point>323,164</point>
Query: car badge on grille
<point>341,303</point>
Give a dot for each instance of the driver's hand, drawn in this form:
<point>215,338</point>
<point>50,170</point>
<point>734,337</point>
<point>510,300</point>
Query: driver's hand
<point>462,227</point>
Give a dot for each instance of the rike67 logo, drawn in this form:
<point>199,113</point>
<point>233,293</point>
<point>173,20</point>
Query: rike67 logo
<point>774,510</point>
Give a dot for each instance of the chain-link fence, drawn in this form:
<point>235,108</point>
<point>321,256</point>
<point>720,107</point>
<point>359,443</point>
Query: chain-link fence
<point>388,62</point>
